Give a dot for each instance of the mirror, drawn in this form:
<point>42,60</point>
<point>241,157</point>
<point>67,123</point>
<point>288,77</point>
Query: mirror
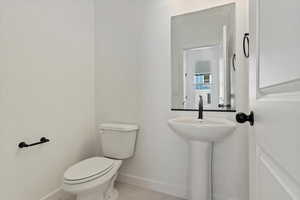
<point>203,56</point>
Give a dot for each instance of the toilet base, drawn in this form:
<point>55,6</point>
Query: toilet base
<point>104,192</point>
<point>113,195</point>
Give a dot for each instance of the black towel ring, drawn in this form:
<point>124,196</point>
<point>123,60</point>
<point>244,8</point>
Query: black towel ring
<point>233,61</point>
<point>246,49</point>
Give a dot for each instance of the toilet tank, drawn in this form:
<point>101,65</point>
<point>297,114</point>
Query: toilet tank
<point>118,140</point>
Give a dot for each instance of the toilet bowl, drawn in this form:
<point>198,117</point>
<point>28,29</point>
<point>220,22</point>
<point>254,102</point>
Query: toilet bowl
<point>94,178</point>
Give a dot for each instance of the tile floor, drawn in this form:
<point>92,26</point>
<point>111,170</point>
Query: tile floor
<point>130,192</point>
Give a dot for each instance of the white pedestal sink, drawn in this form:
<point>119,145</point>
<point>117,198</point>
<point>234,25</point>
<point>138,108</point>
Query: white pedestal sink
<point>200,135</point>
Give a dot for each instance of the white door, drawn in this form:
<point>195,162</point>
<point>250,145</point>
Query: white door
<point>275,99</point>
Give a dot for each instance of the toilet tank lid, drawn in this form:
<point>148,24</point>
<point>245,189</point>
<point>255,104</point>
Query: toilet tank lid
<point>118,127</point>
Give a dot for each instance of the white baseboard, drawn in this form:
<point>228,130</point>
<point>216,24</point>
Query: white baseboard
<point>174,190</point>
<point>223,197</point>
<point>58,194</point>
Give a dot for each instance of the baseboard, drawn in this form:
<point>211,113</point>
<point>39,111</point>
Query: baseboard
<point>58,194</point>
<point>223,197</point>
<point>174,190</point>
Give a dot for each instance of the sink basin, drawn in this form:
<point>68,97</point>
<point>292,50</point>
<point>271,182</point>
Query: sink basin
<point>206,130</point>
<point>201,136</point>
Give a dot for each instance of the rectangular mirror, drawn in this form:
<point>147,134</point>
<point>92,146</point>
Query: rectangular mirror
<point>203,54</point>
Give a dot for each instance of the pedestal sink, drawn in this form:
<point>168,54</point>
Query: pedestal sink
<point>201,134</point>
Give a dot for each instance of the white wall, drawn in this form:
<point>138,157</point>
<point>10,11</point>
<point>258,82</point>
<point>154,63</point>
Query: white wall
<point>46,89</point>
<point>116,60</point>
<point>133,40</point>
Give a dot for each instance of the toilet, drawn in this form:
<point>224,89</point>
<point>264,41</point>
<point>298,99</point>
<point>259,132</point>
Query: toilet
<point>93,178</point>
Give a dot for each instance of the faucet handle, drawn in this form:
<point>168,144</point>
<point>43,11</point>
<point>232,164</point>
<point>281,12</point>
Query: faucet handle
<point>200,109</point>
<point>200,98</point>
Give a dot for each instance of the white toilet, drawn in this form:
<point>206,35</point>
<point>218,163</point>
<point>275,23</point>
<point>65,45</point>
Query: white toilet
<point>93,178</point>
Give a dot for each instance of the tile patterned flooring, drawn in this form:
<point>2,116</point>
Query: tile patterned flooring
<point>130,192</point>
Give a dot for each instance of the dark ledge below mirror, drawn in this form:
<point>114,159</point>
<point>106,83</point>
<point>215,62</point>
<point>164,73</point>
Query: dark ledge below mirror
<point>205,110</point>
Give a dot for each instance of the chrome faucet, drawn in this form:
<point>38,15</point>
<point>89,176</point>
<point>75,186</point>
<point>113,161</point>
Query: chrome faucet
<point>200,109</point>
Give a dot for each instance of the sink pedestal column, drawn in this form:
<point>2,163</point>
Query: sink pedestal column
<point>199,187</point>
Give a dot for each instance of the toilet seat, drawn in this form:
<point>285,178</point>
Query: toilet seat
<point>88,170</point>
<point>81,186</point>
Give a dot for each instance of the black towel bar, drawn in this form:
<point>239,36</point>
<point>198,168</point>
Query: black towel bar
<point>24,144</point>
